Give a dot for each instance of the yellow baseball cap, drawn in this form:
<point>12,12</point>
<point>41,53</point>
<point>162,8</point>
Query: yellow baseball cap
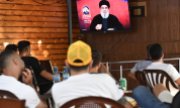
<point>79,54</point>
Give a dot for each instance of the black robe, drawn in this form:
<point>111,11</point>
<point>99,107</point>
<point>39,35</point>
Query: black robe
<point>112,22</point>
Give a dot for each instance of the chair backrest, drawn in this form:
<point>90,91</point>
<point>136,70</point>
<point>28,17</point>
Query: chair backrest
<point>92,102</point>
<point>140,76</point>
<point>9,100</point>
<point>6,94</point>
<point>12,103</point>
<point>154,77</point>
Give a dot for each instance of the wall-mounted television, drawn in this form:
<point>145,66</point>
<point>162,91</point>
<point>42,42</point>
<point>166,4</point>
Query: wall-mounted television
<point>103,15</point>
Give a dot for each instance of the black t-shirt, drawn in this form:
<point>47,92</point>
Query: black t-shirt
<point>33,63</point>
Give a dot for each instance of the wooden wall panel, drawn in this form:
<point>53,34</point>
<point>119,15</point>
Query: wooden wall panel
<point>33,19</point>
<point>35,2</point>
<point>44,25</point>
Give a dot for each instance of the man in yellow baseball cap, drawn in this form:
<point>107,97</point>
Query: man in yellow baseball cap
<point>79,54</point>
<point>81,83</point>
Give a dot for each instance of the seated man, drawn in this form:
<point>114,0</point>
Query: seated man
<point>143,95</point>
<point>157,55</point>
<point>82,83</point>
<point>97,66</point>
<point>12,47</point>
<point>11,66</point>
<point>43,77</point>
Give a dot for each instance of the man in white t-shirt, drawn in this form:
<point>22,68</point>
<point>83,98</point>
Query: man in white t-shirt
<point>157,55</point>
<point>143,96</point>
<point>82,83</point>
<point>12,66</point>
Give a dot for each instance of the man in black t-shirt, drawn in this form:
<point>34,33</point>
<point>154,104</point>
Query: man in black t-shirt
<point>44,78</point>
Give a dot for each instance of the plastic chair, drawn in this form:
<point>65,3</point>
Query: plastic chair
<point>92,102</point>
<point>154,77</point>
<point>6,94</point>
<point>12,103</point>
<point>9,100</point>
<point>140,76</point>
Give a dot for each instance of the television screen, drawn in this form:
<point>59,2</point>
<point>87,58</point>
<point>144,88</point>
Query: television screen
<point>103,15</point>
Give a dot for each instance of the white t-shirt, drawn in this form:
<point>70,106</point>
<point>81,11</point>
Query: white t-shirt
<point>169,69</point>
<point>140,66</point>
<point>21,90</point>
<point>83,85</point>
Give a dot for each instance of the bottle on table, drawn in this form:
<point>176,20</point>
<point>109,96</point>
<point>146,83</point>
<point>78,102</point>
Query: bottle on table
<point>123,83</point>
<point>65,73</point>
<point>122,80</point>
<point>56,75</point>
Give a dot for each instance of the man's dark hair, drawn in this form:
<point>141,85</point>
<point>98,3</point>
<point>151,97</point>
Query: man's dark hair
<point>4,55</point>
<point>97,57</point>
<point>156,51</point>
<point>23,45</point>
<point>75,68</point>
<point>104,2</point>
<point>12,47</point>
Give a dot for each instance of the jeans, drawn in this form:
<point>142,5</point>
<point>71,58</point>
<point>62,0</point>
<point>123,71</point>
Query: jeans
<point>146,99</point>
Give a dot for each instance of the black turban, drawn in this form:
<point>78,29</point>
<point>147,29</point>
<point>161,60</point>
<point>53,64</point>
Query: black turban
<point>104,2</point>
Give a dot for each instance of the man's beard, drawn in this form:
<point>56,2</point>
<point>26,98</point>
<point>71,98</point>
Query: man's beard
<point>104,15</point>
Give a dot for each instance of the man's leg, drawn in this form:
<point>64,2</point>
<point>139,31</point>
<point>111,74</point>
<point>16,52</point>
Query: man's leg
<point>146,99</point>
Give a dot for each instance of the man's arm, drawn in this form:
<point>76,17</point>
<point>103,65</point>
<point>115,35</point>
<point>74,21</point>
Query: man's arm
<point>96,23</point>
<point>116,24</point>
<point>178,81</point>
<point>46,75</point>
<point>132,76</point>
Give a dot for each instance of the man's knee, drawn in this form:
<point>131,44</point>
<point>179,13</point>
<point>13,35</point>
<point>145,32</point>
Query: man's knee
<point>140,90</point>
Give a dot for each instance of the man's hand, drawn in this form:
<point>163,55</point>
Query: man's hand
<point>27,76</point>
<point>110,29</point>
<point>98,26</point>
<point>104,68</point>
